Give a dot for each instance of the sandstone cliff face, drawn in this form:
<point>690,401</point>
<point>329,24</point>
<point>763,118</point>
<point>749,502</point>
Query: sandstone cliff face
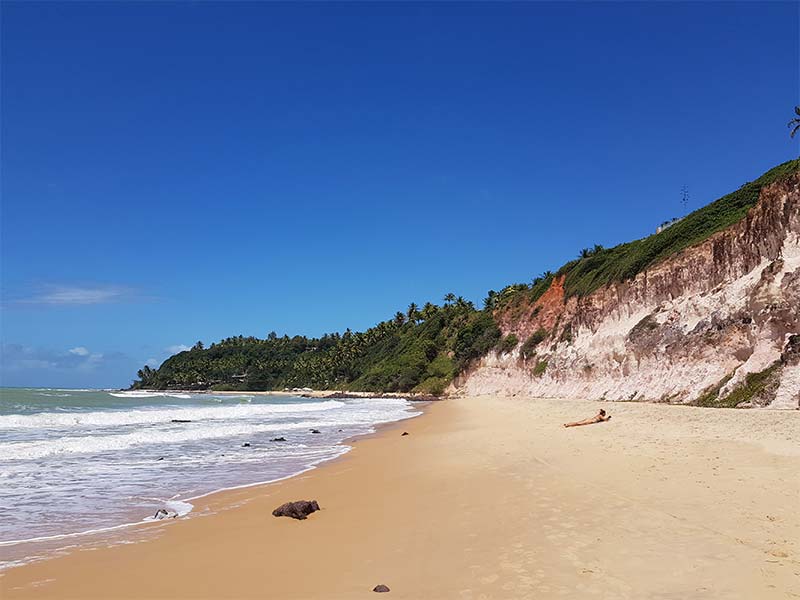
<point>702,326</point>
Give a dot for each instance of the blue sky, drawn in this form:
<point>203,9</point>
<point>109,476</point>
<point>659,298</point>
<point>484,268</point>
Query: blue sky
<point>175,172</point>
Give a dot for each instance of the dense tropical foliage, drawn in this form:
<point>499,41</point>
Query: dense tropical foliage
<point>419,350</point>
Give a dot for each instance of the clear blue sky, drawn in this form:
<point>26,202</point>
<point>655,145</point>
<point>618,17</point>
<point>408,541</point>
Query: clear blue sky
<point>175,172</point>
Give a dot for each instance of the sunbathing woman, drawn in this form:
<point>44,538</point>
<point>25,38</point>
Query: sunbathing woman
<point>599,418</point>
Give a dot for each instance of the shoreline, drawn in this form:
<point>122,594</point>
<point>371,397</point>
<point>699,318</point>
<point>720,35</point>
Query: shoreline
<point>90,539</point>
<point>489,497</point>
<point>307,393</point>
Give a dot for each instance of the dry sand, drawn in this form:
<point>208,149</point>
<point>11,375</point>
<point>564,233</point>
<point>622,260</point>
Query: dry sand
<point>491,498</point>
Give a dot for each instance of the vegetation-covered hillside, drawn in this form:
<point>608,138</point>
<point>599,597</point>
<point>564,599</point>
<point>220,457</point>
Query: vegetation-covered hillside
<point>423,350</point>
<point>416,351</point>
<point>596,267</point>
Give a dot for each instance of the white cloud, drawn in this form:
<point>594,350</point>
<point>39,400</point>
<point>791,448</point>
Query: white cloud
<point>176,348</point>
<point>152,362</point>
<point>19,357</point>
<point>76,295</point>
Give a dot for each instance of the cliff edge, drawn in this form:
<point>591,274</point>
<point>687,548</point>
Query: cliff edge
<point>717,324</point>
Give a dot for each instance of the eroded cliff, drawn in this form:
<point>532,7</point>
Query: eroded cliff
<point>716,324</point>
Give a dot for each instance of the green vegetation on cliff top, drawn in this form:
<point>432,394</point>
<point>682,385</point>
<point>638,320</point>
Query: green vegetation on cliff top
<point>600,266</point>
<point>585,275</point>
<point>424,350</point>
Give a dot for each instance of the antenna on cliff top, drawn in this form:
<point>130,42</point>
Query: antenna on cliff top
<point>685,199</point>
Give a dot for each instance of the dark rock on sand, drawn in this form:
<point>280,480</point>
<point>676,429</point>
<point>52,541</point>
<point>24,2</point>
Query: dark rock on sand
<point>380,588</point>
<point>279,439</point>
<point>296,510</point>
<point>423,398</point>
<point>404,433</point>
<point>163,513</point>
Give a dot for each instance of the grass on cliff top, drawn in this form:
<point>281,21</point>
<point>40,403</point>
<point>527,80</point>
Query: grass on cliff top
<point>583,276</point>
<point>604,266</point>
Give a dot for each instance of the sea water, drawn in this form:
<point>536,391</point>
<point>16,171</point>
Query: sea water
<point>75,463</point>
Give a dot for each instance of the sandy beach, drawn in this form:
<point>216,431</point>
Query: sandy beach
<point>490,498</point>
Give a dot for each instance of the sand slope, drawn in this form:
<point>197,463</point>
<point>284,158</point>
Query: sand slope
<point>492,498</point>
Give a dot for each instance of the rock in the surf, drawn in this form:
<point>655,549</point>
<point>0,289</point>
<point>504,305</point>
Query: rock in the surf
<point>163,513</point>
<point>246,445</point>
<point>315,431</point>
<point>278,439</point>
<point>296,510</point>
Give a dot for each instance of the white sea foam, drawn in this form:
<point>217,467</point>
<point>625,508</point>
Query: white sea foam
<point>179,507</point>
<point>137,394</point>
<point>109,443</point>
<point>112,418</point>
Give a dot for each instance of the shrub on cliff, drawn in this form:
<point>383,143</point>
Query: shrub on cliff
<point>528,349</point>
<point>540,368</point>
<point>507,344</point>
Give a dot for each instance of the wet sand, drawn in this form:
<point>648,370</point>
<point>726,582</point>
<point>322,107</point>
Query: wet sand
<point>490,498</point>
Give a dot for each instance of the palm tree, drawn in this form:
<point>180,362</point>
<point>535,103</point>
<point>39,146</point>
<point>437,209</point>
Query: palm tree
<point>412,313</point>
<point>399,318</point>
<point>449,298</point>
<point>490,300</point>
<point>585,253</point>
<point>794,124</point>
<point>428,311</point>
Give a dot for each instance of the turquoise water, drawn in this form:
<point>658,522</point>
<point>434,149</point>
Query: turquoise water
<point>78,461</point>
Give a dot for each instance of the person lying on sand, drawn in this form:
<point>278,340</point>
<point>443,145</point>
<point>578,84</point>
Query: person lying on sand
<point>598,418</point>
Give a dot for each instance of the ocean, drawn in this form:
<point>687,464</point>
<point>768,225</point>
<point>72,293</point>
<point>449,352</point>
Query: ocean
<point>78,464</point>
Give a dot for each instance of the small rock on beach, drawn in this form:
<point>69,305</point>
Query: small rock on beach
<point>299,509</point>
